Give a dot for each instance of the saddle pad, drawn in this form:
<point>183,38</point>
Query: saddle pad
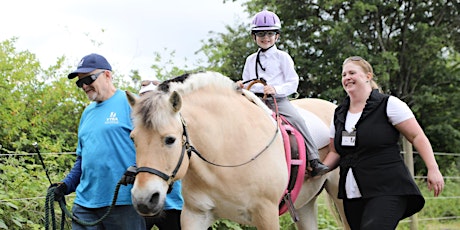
<point>318,130</point>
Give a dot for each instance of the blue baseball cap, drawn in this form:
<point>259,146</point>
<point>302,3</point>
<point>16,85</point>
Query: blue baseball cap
<point>89,63</point>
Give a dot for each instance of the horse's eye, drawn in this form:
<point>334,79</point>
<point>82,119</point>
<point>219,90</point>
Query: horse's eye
<point>170,140</point>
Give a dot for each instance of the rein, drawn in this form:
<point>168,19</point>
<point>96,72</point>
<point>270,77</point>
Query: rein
<point>287,200</point>
<point>241,164</point>
<point>253,81</point>
<point>189,148</point>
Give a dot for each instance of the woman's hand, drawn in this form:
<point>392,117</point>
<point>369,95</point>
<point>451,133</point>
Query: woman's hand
<point>435,181</point>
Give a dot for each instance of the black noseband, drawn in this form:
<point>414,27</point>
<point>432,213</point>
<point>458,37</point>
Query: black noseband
<point>153,171</point>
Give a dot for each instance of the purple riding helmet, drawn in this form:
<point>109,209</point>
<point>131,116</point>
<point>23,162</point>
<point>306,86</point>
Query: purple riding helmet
<point>265,20</point>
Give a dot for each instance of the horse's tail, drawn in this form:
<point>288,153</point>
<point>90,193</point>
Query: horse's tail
<point>332,208</point>
<point>335,211</point>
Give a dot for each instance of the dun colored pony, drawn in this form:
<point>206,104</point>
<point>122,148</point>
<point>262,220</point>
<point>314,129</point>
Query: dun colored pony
<point>225,146</point>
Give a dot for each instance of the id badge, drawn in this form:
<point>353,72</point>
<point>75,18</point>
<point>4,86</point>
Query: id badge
<point>348,139</point>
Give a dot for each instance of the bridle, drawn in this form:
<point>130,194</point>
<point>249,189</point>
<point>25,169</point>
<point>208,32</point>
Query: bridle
<point>186,147</point>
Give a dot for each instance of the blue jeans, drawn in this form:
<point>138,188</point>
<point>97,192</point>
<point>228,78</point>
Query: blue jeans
<point>121,217</point>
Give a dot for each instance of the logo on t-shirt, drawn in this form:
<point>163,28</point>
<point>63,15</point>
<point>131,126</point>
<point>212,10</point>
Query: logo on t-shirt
<point>112,119</point>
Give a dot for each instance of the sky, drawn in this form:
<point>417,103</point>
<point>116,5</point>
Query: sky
<point>126,32</point>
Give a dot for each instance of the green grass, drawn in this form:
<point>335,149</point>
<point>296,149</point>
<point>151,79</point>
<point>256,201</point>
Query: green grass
<point>441,213</point>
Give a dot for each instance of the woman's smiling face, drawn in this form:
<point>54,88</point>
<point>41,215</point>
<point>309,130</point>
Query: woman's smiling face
<point>354,77</point>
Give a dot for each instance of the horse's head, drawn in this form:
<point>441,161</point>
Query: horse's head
<point>160,141</point>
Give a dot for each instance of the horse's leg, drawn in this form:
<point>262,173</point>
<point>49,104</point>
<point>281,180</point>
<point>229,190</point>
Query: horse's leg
<point>266,217</point>
<point>308,216</point>
<point>191,220</point>
<point>336,205</point>
<point>306,203</point>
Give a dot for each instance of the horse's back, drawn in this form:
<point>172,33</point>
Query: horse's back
<point>321,108</point>
<point>317,114</point>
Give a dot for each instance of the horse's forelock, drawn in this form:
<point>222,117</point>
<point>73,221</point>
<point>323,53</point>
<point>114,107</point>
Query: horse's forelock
<point>153,111</point>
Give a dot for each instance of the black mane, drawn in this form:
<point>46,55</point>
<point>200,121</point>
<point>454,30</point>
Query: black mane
<point>164,86</point>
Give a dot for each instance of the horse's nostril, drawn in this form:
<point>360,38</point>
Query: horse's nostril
<point>142,208</point>
<point>154,198</point>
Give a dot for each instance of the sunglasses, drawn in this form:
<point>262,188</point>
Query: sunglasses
<point>262,34</point>
<point>353,58</point>
<point>88,80</point>
<point>148,82</point>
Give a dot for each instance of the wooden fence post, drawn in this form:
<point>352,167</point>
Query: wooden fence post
<point>409,160</point>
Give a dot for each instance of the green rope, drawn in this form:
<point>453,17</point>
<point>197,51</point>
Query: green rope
<point>50,214</point>
<point>49,210</point>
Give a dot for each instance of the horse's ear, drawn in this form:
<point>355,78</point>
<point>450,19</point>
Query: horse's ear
<point>131,98</point>
<point>176,101</point>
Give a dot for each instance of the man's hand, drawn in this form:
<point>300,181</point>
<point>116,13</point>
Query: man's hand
<point>129,176</point>
<point>60,190</point>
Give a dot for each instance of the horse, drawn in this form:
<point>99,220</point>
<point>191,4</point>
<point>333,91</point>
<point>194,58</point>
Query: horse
<point>225,146</point>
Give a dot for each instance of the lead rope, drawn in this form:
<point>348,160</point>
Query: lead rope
<point>50,214</point>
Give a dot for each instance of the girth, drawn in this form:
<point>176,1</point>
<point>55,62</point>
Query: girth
<point>295,151</point>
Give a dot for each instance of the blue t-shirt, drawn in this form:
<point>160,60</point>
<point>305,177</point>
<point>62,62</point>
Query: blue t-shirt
<point>104,152</point>
<point>174,199</point>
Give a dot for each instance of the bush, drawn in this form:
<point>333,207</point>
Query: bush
<point>23,189</point>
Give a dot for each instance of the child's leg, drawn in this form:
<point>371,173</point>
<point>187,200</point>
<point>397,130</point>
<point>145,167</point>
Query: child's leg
<point>291,114</point>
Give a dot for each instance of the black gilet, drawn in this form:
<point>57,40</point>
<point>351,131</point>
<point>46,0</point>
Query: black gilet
<point>377,164</point>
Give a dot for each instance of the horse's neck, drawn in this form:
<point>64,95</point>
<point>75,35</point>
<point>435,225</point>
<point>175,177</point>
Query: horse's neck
<point>226,124</point>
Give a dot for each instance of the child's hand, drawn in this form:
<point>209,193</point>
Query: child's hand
<point>240,84</point>
<point>268,89</point>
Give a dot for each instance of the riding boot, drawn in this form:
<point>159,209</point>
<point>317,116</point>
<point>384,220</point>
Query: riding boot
<point>318,168</point>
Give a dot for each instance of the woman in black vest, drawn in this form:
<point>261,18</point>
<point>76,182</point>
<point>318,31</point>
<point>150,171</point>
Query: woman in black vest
<point>375,185</point>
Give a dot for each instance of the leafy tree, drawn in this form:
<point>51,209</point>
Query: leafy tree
<point>41,105</point>
<point>34,101</point>
<point>165,68</point>
<point>227,52</point>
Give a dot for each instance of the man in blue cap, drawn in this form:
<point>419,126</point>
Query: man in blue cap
<point>104,151</point>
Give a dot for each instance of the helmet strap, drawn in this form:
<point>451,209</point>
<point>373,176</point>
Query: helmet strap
<point>258,61</point>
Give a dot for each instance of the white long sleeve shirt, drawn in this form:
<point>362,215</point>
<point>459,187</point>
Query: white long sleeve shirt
<point>279,72</point>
